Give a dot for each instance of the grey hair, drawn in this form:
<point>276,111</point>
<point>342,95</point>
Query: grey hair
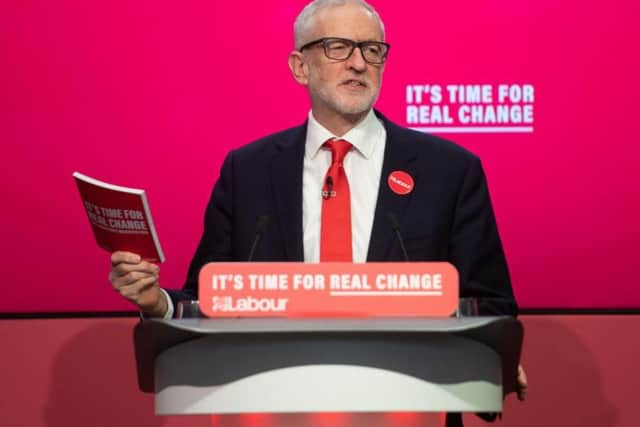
<point>303,22</point>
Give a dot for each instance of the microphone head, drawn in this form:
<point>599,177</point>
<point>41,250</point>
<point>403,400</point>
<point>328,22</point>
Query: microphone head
<point>393,221</point>
<point>395,226</point>
<point>262,223</point>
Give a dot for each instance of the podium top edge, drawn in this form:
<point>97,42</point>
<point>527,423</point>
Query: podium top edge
<point>293,325</point>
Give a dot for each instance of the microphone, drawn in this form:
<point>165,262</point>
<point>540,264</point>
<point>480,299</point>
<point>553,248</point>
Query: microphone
<point>261,226</point>
<point>395,226</point>
<point>329,182</point>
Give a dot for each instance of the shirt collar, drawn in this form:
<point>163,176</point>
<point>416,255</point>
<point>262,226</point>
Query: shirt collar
<point>362,136</point>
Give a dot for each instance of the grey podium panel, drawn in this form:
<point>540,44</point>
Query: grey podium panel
<point>304,365</point>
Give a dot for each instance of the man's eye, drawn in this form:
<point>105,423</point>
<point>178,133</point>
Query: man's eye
<point>338,48</point>
<point>373,50</point>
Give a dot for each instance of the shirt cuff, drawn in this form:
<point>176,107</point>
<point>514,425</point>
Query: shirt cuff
<point>170,310</point>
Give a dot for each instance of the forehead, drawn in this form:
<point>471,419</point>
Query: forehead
<point>350,21</point>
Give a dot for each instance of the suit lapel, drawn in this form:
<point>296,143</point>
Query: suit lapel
<point>399,155</point>
<point>286,179</point>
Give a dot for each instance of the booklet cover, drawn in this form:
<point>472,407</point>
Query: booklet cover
<point>120,218</point>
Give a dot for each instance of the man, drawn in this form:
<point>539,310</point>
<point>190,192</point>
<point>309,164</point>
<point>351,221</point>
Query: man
<point>293,178</point>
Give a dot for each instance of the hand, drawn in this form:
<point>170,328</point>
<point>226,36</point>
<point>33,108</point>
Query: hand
<point>137,281</point>
<point>522,383</point>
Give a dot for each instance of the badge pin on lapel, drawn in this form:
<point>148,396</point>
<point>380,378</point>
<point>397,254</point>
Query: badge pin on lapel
<point>400,182</point>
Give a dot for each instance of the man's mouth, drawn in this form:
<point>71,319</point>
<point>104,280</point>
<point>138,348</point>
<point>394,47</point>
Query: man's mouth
<point>355,84</point>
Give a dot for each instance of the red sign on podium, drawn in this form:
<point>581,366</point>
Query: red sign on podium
<point>328,289</point>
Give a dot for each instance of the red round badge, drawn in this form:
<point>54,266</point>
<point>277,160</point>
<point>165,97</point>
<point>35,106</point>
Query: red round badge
<point>400,182</point>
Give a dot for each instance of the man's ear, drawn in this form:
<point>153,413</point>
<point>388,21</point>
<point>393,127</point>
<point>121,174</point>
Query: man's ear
<point>299,67</point>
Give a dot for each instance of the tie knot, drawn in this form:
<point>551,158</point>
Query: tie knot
<point>339,148</point>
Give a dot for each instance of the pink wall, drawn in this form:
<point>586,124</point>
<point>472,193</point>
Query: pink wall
<point>153,94</point>
<point>66,373</point>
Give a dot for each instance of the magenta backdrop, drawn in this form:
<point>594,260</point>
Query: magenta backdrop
<point>153,94</point>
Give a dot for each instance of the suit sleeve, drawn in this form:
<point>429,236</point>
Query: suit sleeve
<point>216,241</point>
<point>476,250</point>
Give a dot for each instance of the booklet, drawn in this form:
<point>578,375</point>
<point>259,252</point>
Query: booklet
<point>120,218</point>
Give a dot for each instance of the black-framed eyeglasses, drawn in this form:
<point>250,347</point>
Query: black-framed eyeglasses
<point>341,49</point>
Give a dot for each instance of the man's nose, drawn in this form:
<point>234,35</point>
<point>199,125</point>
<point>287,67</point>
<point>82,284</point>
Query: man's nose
<point>356,60</point>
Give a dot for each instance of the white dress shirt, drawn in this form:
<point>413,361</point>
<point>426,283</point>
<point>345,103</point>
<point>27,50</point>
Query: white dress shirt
<point>362,165</point>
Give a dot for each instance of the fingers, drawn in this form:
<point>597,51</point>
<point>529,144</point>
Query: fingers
<point>130,275</point>
<point>125,257</point>
<point>127,267</point>
<point>125,274</point>
<point>522,383</point>
<point>142,289</point>
<point>135,292</point>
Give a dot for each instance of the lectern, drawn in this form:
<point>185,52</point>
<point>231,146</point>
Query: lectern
<point>289,365</point>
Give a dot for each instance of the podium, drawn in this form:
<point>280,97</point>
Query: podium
<point>290,365</point>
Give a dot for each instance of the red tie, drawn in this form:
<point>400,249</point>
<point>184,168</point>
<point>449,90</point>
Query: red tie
<point>335,231</point>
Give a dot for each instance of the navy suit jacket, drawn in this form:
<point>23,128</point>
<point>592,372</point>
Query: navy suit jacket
<point>447,217</point>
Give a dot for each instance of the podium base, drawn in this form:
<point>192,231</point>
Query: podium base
<point>332,419</point>
<point>297,374</point>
